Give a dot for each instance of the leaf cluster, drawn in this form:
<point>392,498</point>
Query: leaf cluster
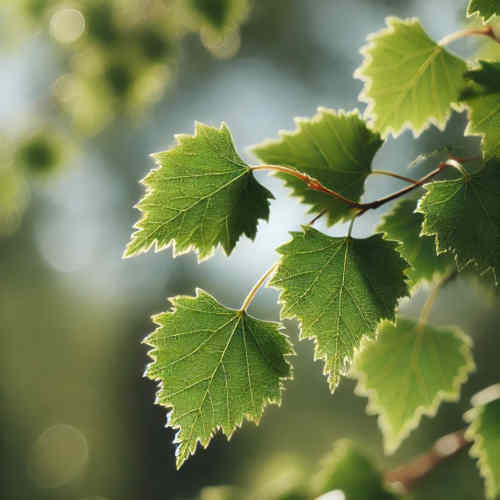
<point>217,366</point>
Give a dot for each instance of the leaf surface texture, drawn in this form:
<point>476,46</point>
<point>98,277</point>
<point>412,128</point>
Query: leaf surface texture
<point>410,81</point>
<point>333,147</point>
<point>464,216</point>
<point>338,289</point>
<point>201,195</point>
<point>408,371</point>
<point>403,225</point>
<point>216,366</point>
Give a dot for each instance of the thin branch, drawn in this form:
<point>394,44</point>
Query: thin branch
<point>386,199</point>
<point>312,221</point>
<point>486,31</point>
<point>315,185</point>
<point>310,182</point>
<point>431,299</point>
<point>256,287</point>
<point>445,447</point>
<point>396,176</point>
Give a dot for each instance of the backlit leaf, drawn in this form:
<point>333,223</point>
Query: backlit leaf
<point>408,371</point>
<point>338,289</point>
<point>201,195</point>
<point>483,100</point>
<point>410,80</point>
<point>216,366</point>
<point>484,431</point>
<point>464,216</point>
<point>333,147</point>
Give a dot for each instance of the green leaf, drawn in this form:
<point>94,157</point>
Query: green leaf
<point>216,366</point>
<point>410,81</point>
<point>403,225</point>
<point>339,291</point>
<point>201,194</point>
<point>347,470</point>
<point>484,8</point>
<point>483,101</point>
<point>335,148</point>
<point>408,371</point>
<point>484,431</point>
<point>464,216</point>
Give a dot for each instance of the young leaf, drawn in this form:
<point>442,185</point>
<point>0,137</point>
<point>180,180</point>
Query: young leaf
<point>408,371</point>
<point>216,366</point>
<point>410,81</point>
<point>402,224</point>
<point>464,216</point>
<point>484,431</point>
<point>201,194</point>
<point>335,148</point>
<point>483,101</point>
<point>339,291</point>
<point>484,8</point>
<point>347,470</point>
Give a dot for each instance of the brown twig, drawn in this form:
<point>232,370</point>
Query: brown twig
<point>445,447</point>
<point>486,31</point>
<point>315,185</point>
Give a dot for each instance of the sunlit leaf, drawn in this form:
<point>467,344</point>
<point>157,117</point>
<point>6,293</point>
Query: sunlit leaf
<point>483,100</point>
<point>484,431</point>
<point>339,291</point>
<point>216,366</point>
<point>408,371</point>
<point>333,147</point>
<point>410,80</point>
<point>201,195</point>
<point>464,216</point>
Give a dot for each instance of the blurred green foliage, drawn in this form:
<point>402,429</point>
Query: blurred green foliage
<point>70,348</point>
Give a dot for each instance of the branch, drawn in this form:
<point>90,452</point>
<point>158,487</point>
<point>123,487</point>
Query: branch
<point>445,447</point>
<point>257,287</point>
<point>315,185</point>
<point>486,31</point>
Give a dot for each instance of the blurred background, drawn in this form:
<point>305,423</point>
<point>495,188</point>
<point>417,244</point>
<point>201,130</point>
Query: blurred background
<point>88,89</point>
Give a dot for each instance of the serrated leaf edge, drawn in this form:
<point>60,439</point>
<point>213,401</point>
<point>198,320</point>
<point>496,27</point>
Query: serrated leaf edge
<point>298,121</point>
<point>477,12</point>
<point>477,450</point>
<point>148,190</point>
<point>421,283</point>
<point>245,416</point>
<point>469,132</point>
<point>313,338</point>
<point>369,114</point>
<point>372,408</point>
<point>460,263</point>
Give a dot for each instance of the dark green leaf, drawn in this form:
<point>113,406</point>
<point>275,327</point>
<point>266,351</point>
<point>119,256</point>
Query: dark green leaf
<point>335,148</point>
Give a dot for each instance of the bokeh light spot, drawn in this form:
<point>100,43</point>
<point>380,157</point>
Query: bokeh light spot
<point>67,25</point>
<point>58,456</point>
